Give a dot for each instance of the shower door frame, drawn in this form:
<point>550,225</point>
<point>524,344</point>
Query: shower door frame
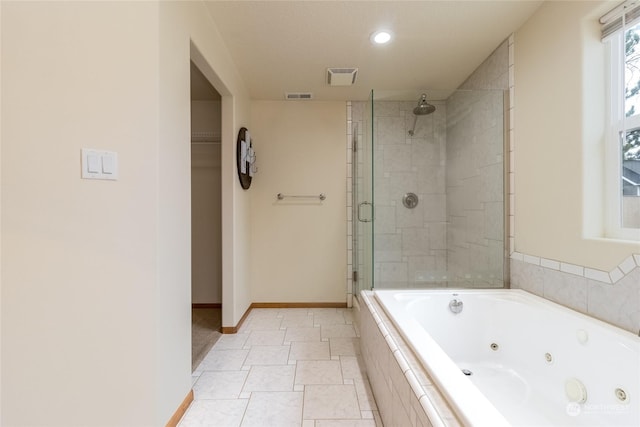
<point>362,202</point>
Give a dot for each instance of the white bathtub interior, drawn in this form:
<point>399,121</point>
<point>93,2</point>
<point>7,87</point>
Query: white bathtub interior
<point>524,355</point>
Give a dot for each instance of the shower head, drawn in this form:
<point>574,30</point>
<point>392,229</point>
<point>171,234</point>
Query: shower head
<point>422,109</point>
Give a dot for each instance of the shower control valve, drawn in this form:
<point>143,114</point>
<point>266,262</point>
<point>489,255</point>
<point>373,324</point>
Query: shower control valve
<point>410,200</point>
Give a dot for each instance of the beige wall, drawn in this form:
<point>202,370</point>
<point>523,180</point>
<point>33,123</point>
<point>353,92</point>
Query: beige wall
<point>96,285</point>
<point>1,211</point>
<point>298,246</point>
<point>78,282</point>
<point>206,230</point>
<point>558,121</point>
<point>187,32</point>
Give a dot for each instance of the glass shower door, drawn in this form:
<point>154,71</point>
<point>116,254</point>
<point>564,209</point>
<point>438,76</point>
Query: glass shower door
<point>362,203</point>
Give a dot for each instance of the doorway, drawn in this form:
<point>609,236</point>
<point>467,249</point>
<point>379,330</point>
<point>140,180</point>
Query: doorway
<point>206,216</point>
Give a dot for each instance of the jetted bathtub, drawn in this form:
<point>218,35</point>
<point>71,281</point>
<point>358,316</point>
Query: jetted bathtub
<point>507,357</point>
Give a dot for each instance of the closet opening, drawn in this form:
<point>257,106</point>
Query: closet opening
<point>206,216</point>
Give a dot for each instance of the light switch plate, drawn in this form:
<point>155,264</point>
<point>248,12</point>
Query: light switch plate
<point>93,163</point>
<point>99,164</point>
<point>108,164</point>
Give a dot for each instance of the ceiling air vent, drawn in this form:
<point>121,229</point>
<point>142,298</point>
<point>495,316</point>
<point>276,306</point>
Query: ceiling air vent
<point>341,76</point>
<point>298,95</point>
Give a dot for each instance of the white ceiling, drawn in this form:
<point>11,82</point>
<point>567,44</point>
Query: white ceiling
<point>286,46</point>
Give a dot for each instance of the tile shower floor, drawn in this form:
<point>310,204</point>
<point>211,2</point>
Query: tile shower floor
<point>285,367</point>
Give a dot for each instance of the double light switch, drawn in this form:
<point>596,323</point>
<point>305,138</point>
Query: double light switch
<point>99,164</point>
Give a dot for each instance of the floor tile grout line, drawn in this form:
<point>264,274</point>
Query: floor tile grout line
<point>332,351</point>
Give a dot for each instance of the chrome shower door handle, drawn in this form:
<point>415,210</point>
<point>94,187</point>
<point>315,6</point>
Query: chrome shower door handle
<point>360,211</point>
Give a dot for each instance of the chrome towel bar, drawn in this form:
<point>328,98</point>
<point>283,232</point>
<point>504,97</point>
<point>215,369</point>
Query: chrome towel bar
<point>321,196</point>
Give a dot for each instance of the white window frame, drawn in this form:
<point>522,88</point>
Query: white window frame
<point>616,123</point>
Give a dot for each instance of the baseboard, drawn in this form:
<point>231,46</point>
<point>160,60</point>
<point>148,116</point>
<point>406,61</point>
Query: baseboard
<point>299,305</point>
<point>206,305</point>
<point>234,329</point>
<point>177,416</point>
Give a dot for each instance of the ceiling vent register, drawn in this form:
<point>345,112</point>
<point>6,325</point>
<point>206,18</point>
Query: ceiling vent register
<point>341,76</point>
<point>298,95</point>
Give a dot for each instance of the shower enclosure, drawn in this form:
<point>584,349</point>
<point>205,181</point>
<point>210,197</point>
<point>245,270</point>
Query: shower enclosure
<point>429,192</point>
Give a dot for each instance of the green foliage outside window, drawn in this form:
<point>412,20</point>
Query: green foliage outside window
<point>631,145</point>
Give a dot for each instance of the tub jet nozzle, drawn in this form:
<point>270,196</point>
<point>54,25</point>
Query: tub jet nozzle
<point>455,306</point>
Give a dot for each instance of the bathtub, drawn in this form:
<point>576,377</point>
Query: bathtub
<point>526,360</point>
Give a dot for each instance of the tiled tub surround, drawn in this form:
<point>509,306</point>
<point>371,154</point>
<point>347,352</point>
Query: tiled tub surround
<point>405,393</point>
<point>285,367</point>
<point>613,297</point>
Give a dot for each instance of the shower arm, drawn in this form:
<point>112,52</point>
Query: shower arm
<point>415,120</point>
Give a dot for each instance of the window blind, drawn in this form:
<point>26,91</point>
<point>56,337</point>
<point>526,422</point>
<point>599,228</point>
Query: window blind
<point>612,21</point>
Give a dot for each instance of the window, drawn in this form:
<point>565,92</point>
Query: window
<point>623,140</point>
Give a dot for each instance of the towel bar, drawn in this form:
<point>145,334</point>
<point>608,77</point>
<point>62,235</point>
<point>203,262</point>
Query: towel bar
<point>321,196</point>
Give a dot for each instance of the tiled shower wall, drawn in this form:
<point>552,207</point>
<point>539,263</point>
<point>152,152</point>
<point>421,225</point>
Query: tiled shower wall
<point>475,175</point>
<point>454,164</point>
<point>410,244</point>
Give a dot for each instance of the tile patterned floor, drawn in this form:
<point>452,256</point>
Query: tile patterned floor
<point>285,367</point>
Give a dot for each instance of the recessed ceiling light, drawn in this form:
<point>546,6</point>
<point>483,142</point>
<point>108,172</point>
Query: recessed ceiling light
<point>381,37</point>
